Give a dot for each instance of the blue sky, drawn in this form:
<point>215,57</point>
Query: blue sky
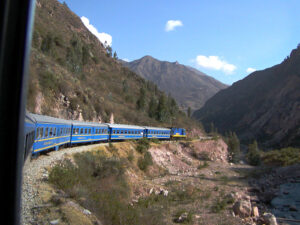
<point>221,38</point>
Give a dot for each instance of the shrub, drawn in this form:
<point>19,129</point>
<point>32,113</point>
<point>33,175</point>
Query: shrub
<point>130,156</point>
<point>283,157</point>
<point>145,161</point>
<point>143,145</point>
<point>253,155</point>
<point>204,165</point>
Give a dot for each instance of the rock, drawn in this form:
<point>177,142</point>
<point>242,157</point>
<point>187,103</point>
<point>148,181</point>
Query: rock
<point>183,217</point>
<point>255,212</point>
<point>269,219</point>
<point>242,208</point>
<point>87,212</point>
<point>151,191</point>
<point>293,208</point>
<point>53,222</point>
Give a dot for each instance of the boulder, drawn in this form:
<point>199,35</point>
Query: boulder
<point>255,212</point>
<point>242,208</point>
<point>269,219</point>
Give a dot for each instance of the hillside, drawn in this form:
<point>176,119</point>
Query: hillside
<point>190,87</point>
<point>73,76</point>
<point>264,106</point>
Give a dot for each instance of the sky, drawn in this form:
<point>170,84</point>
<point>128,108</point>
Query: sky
<point>224,39</point>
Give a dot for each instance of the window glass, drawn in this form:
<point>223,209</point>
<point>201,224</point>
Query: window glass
<point>81,130</point>
<point>37,133</point>
<point>54,132</point>
<point>46,132</point>
<point>85,130</point>
<point>89,131</point>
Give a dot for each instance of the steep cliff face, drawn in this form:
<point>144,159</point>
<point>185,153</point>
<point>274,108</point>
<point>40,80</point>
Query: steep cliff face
<point>264,106</point>
<point>190,87</point>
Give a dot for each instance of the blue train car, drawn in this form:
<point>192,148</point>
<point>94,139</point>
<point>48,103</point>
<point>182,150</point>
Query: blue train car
<point>50,133</point>
<point>157,132</point>
<point>123,131</point>
<point>178,132</point>
<point>84,132</point>
<point>29,135</point>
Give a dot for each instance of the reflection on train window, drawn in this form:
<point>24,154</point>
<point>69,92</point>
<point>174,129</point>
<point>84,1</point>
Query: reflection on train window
<point>54,132</point>
<point>46,132</point>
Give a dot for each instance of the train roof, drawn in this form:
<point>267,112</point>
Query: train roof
<point>48,119</point>
<point>93,124</point>
<point>29,117</point>
<point>124,126</point>
<point>156,128</point>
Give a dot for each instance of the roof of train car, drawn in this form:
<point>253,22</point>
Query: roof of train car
<point>124,126</point>
<point>157,128</point>
<point>29,117</point>
<point>48,119</point>
<point>93,124</point>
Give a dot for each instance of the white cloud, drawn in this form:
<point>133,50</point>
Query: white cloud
<point>171,24</point>
<point>103,37</point>
<point>125,59</point>
<point>215,63</point>
<point>250,70</point>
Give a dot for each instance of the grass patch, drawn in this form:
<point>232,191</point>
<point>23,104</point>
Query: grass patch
<point>221,203</point>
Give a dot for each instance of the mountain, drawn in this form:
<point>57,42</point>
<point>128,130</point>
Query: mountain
<point>190,87</point>
<point>264,106</point>
<point>74,76</point>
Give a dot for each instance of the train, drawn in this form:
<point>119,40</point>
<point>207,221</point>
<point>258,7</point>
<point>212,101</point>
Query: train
<point>44,133</point>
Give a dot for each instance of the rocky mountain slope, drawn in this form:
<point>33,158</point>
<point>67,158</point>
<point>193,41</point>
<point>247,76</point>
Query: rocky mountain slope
<point>264,106</point>
<point>74,76</point>
<point>190,87</point>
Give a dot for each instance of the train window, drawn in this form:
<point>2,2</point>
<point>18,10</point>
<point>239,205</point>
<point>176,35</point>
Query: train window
<point>46,132</point>
<point>89,131</point>
<point>118,131</point>
<point>114,132</point>
<point>74,129</point>
<point>85,130</point>
<point>81,130</point>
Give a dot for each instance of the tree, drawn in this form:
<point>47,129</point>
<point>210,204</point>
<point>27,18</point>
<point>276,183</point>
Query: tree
<point>115,55</point>
<point>161,113</point>
<point>253,155</point>
<point>189,112</point>
<point>125,86</point>
<point>152,107</point>
<point>141,102</point>
<point>233,144</point>
<point>108,49</point>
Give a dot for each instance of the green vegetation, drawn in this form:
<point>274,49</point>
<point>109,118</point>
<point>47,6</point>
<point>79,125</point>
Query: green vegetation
<point>145,161</point>
<point>143,145</point>
<point>221,203</point>
<point>233,147</point>
<point>282,157</point>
